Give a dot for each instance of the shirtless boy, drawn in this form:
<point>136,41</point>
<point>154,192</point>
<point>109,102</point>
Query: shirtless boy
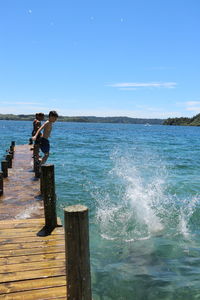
<point>44,142</point>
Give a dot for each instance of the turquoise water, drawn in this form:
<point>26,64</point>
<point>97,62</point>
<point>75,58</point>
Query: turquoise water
<point>142,187</point>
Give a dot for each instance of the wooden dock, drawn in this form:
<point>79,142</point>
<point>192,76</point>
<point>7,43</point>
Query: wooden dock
<point>21,189</point>
<point>31,266</point>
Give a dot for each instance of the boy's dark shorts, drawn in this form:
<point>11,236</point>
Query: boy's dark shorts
<point>44,145</point>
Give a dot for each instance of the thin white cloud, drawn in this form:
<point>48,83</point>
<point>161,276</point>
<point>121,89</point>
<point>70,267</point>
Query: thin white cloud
<point>24,107</point>
<point>127,85</point>
<point>16,110</point>
<point>191,103</point>
<point>149,112</point>
<point>189,108</point>
<point>193,106</point>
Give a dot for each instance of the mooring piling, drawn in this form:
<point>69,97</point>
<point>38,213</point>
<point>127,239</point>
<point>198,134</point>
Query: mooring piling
<point>4,168</point>
<point>36,163</point>
<point>49,196</point>
<point>11,151</point>
<point>1,183</point>
<point>77,253</point>
<point>36,168</point>
<point>9,160</point>
<point>41,182</point>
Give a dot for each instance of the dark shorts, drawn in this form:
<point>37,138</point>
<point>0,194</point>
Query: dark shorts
<point>44,145</point>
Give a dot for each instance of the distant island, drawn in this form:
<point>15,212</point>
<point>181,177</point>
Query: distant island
<point>87,119</point>
<point>194,121</point>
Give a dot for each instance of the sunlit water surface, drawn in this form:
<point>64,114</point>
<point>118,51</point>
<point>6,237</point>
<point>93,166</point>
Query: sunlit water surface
<point>142,187</point>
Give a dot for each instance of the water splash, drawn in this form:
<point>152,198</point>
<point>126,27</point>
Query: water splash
<point>139,204</point>
<point>134,214</point>
<point>187,210</point>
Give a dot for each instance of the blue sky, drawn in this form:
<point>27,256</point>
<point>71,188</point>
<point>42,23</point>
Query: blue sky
<point>102,57</point>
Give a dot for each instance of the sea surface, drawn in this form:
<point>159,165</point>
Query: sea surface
<point>142,187</point>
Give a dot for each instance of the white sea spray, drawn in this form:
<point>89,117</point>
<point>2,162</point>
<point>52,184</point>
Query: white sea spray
<point>135,214</point>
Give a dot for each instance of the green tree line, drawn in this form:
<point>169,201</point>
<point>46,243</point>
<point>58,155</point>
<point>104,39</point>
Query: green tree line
<point>88,119</point>
<point>194,121</point>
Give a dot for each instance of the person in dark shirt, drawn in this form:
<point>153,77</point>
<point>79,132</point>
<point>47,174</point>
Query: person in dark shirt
<point>36,125</point>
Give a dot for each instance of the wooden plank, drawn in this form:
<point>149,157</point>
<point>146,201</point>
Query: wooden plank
<point>21,223</point>
<point>32,284</point>
<point>44,250</point>
<point>37,244</point>
<point>31,258</point>
<point>32,266</point>
<point>24,223</point>
<point>32,274</point>
<point>18,221</point>
<point>31,239</point>
<point>22,204</point>
<point>19,232</point>
<point>50,293</point>
<point>27,229</point>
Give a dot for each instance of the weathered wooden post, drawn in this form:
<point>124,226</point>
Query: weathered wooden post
<point>34,158</point>
<point>12,150</point>
<point>9,160</point>
<point>37,168</point>
<point>12,147</point>
<point>41,182</point>
<point>11,153</point>
<point>49,197</point>
<point>36,162</point>
<point>1,183</point>
<point>4,168</point>
<point>77,253</point>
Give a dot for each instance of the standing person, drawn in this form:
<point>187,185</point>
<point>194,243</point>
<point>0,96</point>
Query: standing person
<point>36,125</point>
<point>46,127</point>
<point>37,122</point>
<point>34,129</point>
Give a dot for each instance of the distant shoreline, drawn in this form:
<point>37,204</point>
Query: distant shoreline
<point>183,121</point>
<point>87,119</point>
